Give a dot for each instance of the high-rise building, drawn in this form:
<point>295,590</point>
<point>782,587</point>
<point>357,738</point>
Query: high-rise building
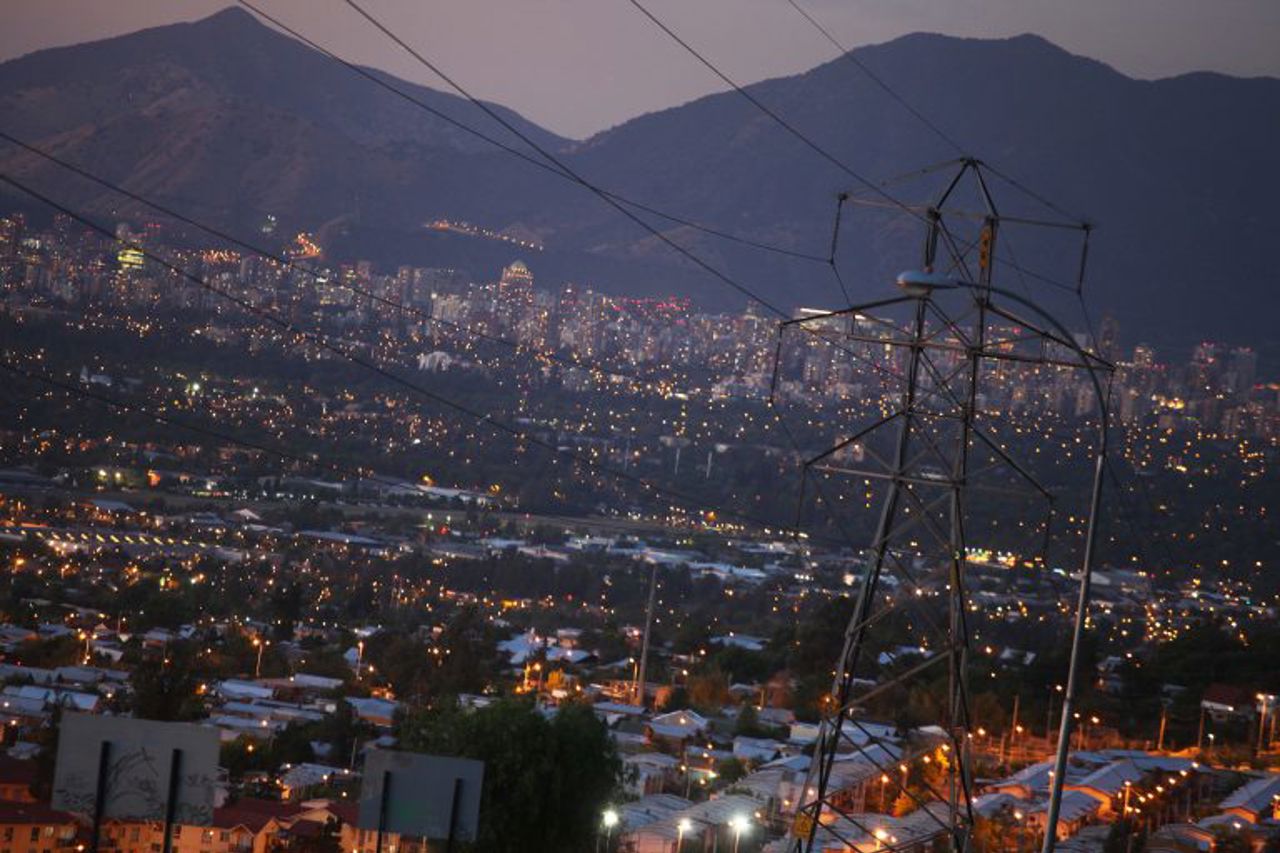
<point>515,295</point>
<point>1242,371</point>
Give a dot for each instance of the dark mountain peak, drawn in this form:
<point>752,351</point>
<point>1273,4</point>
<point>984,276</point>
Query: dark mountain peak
<point>230,18</point>
<point>1027,52</point>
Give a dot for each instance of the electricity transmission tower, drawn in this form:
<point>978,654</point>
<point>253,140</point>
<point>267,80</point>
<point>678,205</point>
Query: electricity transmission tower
<point>947,338</point>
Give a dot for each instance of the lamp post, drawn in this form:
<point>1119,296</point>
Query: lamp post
<point>681,828</point>
<point>359,657</point>
<point>739,824</point>
<point>610,820</point>
<point>261,644</point>
<point>1048,725</point>
<point>1263,705</point>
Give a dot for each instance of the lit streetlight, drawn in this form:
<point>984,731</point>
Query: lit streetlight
<point>681,828</point>
<point>261,644</point>
<point>740,825</point>
<point>610,820</point>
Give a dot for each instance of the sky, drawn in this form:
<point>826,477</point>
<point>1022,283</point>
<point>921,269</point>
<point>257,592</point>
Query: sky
<point>579,66</point>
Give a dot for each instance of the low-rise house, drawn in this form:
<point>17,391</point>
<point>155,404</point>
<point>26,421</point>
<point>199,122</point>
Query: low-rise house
<point>379,712</point>
<point>16,778</point>
<point>1226,702</point>
<point>1255,801</point>
<point>756,750</point>
<point>32,826</point>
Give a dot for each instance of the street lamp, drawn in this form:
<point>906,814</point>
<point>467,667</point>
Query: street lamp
<point>739,824</point>
<point>681,828</point>
<point>610,821</point>
<point>881,836</point>
<point>359,657</point>
<point>261,644</point>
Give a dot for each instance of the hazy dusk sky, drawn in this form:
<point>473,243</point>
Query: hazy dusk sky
<point>577,66</point>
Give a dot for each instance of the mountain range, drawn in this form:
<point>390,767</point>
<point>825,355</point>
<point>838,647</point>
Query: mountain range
<point>228,120</point>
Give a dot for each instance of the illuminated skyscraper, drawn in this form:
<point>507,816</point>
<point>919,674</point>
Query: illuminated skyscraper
<point>515,295</point>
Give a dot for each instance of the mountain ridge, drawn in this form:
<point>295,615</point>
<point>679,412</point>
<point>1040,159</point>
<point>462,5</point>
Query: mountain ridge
<point>230,115</point>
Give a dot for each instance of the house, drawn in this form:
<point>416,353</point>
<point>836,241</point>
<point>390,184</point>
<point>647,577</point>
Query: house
<point>31,826</point>
<point>252,826</point>
<point>676,728</point>
<point>12,637</point>
<point>1226,702</point>
<point>16,778</point>
<point>1180,838</point>
<point>755,750</point>
<point>235,689</point>
<point>298,778</point>
<point>649,772</point>
<point>379,712</point>
<point>1256,800</point>
<point>1077,810</point>
<point>1107,783</point>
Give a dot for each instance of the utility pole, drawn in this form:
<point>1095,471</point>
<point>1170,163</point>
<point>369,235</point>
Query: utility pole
<point>1013,728</point>
<point>1262,719</point>
<point>940,333</point>
<point>1164,719</point>
<point>644,643</point>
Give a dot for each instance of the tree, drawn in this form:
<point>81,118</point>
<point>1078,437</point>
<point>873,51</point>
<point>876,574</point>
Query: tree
<point>730,770</point>
<point>709,689</point>
<point>326,841</point>
<point>546,782</point>
<point>164,686</point>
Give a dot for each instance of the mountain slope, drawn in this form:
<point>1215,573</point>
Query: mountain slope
<point>229,120</point>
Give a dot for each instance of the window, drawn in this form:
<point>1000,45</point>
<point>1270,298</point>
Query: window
<point>35,833</point>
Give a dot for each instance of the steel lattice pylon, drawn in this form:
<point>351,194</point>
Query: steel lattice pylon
<point>956,331</point>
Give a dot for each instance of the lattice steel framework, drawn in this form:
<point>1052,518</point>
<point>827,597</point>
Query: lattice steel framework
<point>960,329</point>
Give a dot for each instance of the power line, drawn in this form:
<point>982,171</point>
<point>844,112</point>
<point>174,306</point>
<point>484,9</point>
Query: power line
<point>286,328</point>
<point>493,114</point>
<point>875,78</point>
<point>515,152</point>
<point>552,168</point>
<point>688,254</point>
<point>305,270</point>
<point>575,361</point>
<point>762,107</point>
<point>850,56</point>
